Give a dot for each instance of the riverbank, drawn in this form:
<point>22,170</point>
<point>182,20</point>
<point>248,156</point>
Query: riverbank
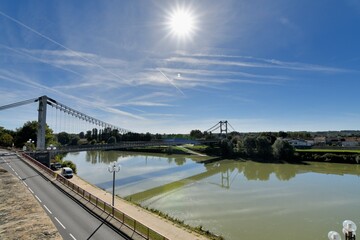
<point>163,226</point>
<point>328,155</point>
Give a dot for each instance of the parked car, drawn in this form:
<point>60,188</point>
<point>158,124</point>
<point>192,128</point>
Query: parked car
<point>67,172</point>
<point>55,166</point>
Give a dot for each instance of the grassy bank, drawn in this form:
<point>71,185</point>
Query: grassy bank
<point>328,155</point>
<point>328,151</point>
<point>160,149</point>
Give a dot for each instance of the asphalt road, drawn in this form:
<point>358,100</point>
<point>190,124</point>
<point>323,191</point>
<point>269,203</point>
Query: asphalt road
<point>72,220</point>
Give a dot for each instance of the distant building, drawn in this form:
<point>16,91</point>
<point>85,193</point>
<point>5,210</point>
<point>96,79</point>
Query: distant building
<point>349,144</point>
<point>300,143</point>
<point>320,140</point>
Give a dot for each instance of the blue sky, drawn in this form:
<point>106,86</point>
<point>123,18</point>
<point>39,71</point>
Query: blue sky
<point>261,65</point>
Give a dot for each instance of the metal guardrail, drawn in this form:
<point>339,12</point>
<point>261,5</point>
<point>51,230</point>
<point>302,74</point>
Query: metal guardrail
<point>122,218</point>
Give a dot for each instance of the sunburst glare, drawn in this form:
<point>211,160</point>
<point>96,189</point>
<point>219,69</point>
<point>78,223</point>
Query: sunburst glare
<point>182,23</point>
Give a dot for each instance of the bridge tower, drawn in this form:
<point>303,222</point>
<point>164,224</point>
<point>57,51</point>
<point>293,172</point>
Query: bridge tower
<point>223,127</point>
<point>40,143</point>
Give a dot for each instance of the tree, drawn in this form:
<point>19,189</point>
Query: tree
<point>282,150</point>
<point>196,134</point>
<point>249,145</point>
<point>63,138</point>
<point>88,135</point>
<point>6,140</point>
<point>226,148</point>
<point>29,131</point>
<point>74,140</point>
<point>111,140</point>
<point>26,132</point>
<point>81,135</point>
<point>263,147</point>
<point>283,134</point>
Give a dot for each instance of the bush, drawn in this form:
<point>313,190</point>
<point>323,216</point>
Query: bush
<point>70,164</point>
<point>282,150</point>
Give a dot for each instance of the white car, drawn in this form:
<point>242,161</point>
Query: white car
<point>67,172</point>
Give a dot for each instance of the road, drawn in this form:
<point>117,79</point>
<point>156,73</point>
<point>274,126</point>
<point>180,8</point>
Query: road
<point>71,219</point>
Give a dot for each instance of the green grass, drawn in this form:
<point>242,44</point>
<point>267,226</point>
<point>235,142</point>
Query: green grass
<point>328,150</point>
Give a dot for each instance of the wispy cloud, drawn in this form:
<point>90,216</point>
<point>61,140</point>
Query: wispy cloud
<point>18,78</point>
<point>249,62</point>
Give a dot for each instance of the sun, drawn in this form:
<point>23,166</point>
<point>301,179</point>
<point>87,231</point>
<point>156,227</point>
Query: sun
<point>181,23</point>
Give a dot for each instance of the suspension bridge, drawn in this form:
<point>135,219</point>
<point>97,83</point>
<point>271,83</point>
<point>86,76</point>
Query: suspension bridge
<point>60,110</point>
<point>222,126</point>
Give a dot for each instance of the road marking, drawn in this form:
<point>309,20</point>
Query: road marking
<point>72,236</point>
<point>47,209</point>
<point>16,173</point>
<point>38,198</point>
<point>60,223</point>
<point>31,190</point>
<point>25,183</point>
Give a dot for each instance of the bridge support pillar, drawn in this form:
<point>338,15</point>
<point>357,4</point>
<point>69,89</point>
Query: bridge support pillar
<point>42,157</point>
<point>223,127</point>
<point>40,143</point>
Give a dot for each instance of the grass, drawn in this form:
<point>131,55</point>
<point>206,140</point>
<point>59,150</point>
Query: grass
<point>198,229</point>
<point>328,150</point>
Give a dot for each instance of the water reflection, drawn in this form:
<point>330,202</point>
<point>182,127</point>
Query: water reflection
<point>107,157</point>
<point>227,171</point>
<point>283,172</point>
<point>226,197</point>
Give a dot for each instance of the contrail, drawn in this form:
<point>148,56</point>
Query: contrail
<point>59,44</point>
<point>171,82</point>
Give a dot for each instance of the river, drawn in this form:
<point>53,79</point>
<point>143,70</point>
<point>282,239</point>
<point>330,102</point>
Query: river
<point>235,199</point>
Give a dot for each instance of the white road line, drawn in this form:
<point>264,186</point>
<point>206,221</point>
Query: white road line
<point>38,198</point>
<point>60,223</point>
<point>31,190</point>
<point>25,183</point>
<point>47,209</point>
<point>72,236</point>
<point>16,173</point>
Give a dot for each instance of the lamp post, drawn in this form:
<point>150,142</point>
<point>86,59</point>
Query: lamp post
<point>29,146</point>
<point>349,231</point>
<point>332,235</point>
<point>112,169</point>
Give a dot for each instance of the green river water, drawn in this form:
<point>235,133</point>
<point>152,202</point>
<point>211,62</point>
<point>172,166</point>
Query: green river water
<point>237,200</point>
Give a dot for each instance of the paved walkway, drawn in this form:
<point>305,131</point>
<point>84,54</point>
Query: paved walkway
<point>155,222</point>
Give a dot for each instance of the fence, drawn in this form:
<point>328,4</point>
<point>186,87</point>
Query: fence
<point>121,218</point>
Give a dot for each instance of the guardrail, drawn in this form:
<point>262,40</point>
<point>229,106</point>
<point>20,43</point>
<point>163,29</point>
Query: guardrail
<point>121,218</point>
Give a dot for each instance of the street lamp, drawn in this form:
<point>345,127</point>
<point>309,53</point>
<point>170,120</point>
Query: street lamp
<point>112,169</point>
<point>349,230</point>
<point>332,235</point>
<point>29,145</point>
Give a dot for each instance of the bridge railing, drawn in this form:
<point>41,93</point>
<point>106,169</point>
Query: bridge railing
<point>122,218</point>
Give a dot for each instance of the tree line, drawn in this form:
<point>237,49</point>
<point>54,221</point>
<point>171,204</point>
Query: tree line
<point>22,135</point>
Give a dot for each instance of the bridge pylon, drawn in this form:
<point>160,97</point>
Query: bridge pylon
<point>40,143</point>
<point>223,127</point>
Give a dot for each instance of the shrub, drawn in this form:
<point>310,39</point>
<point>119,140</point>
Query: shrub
<point>69,164</point>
